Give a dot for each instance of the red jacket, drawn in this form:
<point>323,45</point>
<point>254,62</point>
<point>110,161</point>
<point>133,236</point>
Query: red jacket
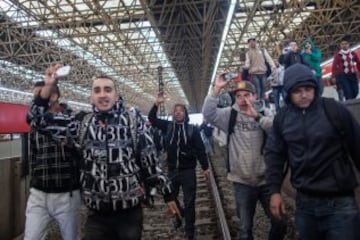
<point>338,64</point>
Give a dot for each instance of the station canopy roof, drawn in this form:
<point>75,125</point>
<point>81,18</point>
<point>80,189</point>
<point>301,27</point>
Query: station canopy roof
<point>136,41</point>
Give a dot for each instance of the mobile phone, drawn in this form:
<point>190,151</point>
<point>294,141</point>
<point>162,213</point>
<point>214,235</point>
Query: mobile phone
<point>229,76</point>
<point>63,71</point>
<point>259,105</point>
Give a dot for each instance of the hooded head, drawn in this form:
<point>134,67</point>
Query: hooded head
<point>308,41</point>
<point>180,113</point>
<point>299,75</point>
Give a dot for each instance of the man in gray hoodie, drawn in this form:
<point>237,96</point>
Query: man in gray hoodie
<point>246,168</point>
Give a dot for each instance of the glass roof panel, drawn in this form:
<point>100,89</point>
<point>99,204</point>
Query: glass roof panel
<point>107,40</point>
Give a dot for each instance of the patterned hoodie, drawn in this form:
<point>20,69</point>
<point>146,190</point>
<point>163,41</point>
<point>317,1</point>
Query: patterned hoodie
<point>114,172</point>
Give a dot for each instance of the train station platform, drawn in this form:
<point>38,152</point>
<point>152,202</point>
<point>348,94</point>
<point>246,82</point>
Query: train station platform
<point>14,187</point>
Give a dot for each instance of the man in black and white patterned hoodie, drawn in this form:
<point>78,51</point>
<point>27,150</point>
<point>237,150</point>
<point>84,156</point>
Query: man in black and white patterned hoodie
<point>115,164</point>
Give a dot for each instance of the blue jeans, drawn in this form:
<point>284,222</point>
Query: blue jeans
<point>186,178</point>
<point>259,81</point>
<point>278,91</point>
<point>349,84</point>
<point>122,225</point>
<point>246,198</point>
<point>334,218</point>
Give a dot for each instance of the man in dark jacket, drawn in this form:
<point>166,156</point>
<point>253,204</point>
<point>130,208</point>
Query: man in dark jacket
<point>182,152</point>
<point>292,56</point>
<point>321,169</point>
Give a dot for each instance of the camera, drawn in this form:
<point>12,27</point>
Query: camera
<point>229,76</point>
<point>259,106</point>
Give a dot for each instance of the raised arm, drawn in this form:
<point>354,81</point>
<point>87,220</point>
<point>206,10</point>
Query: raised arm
<point>155,121</point>
<point>218,117</point>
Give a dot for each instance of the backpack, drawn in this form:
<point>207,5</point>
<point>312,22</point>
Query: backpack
<point>268,67</point>
<point>331,109</point>
<point>231,126</point>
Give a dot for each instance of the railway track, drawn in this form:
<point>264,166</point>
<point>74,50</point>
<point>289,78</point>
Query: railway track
<point>158,224</point>
<point>215,212</point>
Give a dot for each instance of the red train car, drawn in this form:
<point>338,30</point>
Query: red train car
<point>12,118</point>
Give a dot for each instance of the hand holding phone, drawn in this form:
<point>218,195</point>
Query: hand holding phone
<point>229,76</point>
<point>62,72</point>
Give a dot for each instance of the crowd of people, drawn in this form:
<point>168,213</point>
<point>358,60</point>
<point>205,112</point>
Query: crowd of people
<point>110,158</point>
<point>260,68</point>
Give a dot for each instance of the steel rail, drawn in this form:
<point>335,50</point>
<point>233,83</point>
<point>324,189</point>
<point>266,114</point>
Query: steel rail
<point>218,207</point>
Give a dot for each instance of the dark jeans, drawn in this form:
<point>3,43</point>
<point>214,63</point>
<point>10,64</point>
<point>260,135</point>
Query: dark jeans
<point>246,198</point>
<point>321,85</point>
<point>333,218</point>
<point>186,178</point>
<point>349,85</point>
<point>124,225</point>
<point>278,91</point>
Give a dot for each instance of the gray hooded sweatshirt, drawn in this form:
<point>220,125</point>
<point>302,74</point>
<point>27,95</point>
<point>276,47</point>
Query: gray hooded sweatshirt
<point>246,161</point>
